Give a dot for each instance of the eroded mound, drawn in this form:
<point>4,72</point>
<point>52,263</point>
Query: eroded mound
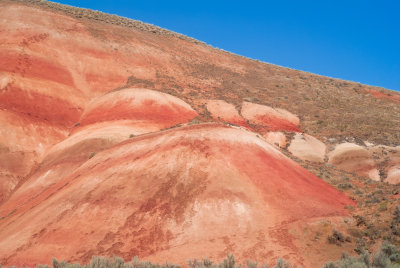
<point>23,143</point>
<point>195,191</point>
<point>276,138</point>
<point>354,158</point>
<point>270,119</point>
<point>225,112</point>
<point>393,175</point>
<point>77,180</point>
<point>308,148</point>
<point>147,110</point>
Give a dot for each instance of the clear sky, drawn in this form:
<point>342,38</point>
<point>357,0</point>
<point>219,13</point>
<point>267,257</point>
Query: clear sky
<point>353,40</point>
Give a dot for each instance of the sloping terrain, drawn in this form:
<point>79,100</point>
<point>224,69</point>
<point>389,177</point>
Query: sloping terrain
<point>170,195</point>
<point>119,137</point>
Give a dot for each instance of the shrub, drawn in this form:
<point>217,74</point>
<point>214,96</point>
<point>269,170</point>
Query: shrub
<point>250,264</point>
<point>360,246</point>
<point>395,225</point>
<point>355,232</point>
<point>358,192</point>
<point>392,252</point>
<point>281,263</point>
<point>380,260</point>
<point>350,262</point>
<point>114,262</point>
<point>383,206</point>
<point>387,257</point>
<point>336,237</point>
<point>396,215</point>
<point>360,220</point>
<point>229,262</point>
<point>117,262</point>
<point>206,263</point>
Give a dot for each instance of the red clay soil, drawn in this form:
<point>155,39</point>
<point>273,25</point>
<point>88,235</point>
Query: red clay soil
<point>201,190</point>
<point>39,107</point>
<point>221,111</point>
<point>142,106</point>
<point>78,176</point>
<point>383,95</point>
<point>354,158</point>
<point>32,66</point>
<point>269,119</point>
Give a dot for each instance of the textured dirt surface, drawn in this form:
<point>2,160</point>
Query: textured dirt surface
<point>225,112</point>
<point>276,138</point>
<point>147,110</point>
<point>352,157</point>
<point>393,175</point>
<point>376,162</point>
<point>106,145</point>
<point>268,118</point>
<point>308,148</point>
<point>190,192</point>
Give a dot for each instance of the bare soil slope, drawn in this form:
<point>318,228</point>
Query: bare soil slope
<point>107,144</point>
<point>194,191</point>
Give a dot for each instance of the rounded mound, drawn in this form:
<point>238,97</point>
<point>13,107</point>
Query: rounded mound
<point>354,158</point>
<point>307,147</point>
<point>222,111</point>
<point>64,157</point>
<point>270,119</point>
<point>148,109</point>
<point>200,190</point>
<point>393,176</point>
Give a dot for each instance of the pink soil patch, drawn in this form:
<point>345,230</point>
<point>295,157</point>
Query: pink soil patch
<point>270,119</point>
<point>308,148</point>
<point>201,190</point>
<point>353,158</point>
<point>393,175</point>
<point>69,154</point>
<point>276,139</point>
<point>39,107</point>
<point>24,140</point>
<point>33,66</point>
<point>373,174</point>
<point>225,112</point>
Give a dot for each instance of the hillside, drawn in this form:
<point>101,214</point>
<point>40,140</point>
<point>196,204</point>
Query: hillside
<point>122,138</point>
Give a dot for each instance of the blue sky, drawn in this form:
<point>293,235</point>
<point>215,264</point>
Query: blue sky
<point>352,40</point>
